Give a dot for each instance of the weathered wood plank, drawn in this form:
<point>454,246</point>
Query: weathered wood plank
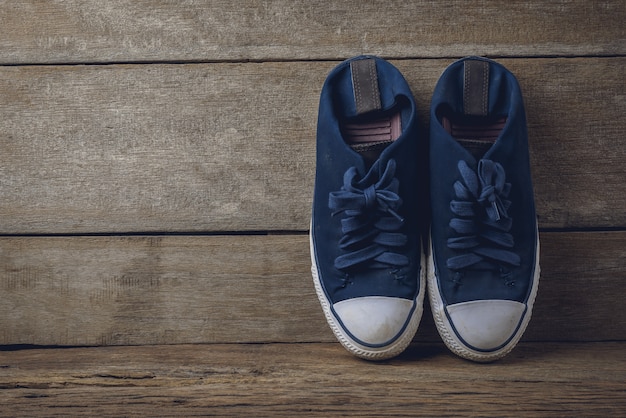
<point>136,290</point>
<point>147,30</point>
<point>226,289</point>
<point>312,379</point>
<point>231,147</point>
<point>156,147</point>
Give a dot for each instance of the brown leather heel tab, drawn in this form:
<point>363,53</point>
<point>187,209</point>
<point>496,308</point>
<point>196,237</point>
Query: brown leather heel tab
<point>476,88</point>
<point>365,85</point>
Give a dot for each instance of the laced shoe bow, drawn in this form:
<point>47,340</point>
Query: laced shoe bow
<point>371,224</point>
<point>482,223</point>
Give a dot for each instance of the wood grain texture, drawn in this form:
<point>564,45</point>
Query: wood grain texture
<point>249,289</point>
<point>231,147</point>
<point>157,147</point>
<point>312,379</point>
<point>104,291</point>
<point>124,30</point>
<point>199,116</point>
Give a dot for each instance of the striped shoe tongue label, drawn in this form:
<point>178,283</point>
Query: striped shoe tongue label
<point>365,85</point>
<point>476,88</point>
<point>475,137</point>
<point>386,129</point>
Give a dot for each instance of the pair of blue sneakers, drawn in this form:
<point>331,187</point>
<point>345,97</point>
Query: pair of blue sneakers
<point>393,211</point>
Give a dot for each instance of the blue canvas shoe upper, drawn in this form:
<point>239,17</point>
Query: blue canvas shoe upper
<point>365,240</point>
<point>483,266</point>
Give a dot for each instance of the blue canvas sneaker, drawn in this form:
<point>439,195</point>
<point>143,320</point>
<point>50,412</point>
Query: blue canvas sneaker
<point>483,267</point>
<point>365,229</point>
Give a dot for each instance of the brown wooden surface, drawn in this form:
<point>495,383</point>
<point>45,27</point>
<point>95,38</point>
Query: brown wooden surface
<point>147,146</point>
<point>147,30</point>
<point>231,147</point>
<point>573,379</point>
<point>212,289</point>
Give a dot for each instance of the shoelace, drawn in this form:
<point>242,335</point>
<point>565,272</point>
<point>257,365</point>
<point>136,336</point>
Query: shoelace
<point>482,221</point>
<point>371,222</point>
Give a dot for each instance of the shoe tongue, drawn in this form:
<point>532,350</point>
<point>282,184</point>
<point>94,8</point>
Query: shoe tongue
<point>475,133</point>
<point>365,86</point>
<point>476,136</point>
<point>370,137</point>
<point>369,133</point>
<point>476,87</point>
<point>475,147</point>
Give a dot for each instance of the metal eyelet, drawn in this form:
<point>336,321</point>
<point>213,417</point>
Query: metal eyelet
<point>507,276</point>
<point>457,278</point>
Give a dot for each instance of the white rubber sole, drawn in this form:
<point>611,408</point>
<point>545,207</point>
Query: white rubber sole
<point>356,348</point>
<point>445,329</point>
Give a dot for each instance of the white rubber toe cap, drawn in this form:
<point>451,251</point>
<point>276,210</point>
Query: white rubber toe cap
<point>374,320</point>
<point>486,324</point>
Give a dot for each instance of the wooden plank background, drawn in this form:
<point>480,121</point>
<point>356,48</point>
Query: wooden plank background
<point>230,289</point>
<point>74,31</point>
<point>157,159</point>
<point>230,147</point>
<point>287,380</point>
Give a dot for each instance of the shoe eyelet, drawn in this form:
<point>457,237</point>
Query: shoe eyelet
<point>396,274</point>
<point>507,276</point>
<point>457,278</point>
<point>345,281</point>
